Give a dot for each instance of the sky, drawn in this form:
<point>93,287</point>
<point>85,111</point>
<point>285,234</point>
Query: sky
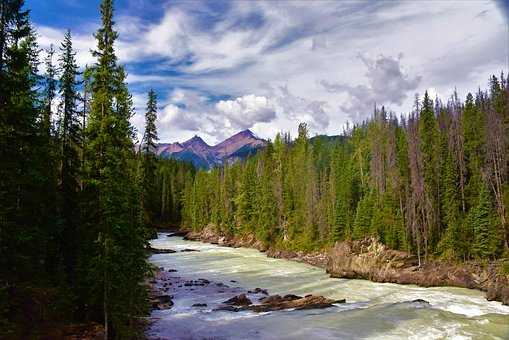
<point>220,67</point>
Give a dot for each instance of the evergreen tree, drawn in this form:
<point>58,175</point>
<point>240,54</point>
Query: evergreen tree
<point>454,242</point>
<point>363,216</point>
<point>49,90</point>
<point>429,147</point>
<point>116,264</point>
<point>25,181</point>
<point>149,158</point>
<point>486,239</point>
<point>473,134</point>
<point>19,140</point>
<point>71,135</point>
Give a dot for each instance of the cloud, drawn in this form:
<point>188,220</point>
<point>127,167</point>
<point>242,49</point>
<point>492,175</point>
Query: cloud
<point>133,78</point>
<point>387,84</point>
<point>302,58</point>
<point>185,109</point>
<point>81,43</point>
<point>300,109</point>
<point>245,111</point>
<point>175,117</point>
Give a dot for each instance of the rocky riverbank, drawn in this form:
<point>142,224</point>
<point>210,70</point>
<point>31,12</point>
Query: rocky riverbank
<point>368,259</point>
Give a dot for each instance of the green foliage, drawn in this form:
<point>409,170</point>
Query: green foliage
<point>363,216</point>
<point>483,221</point>
<point>407,183</point>
<point>70,139</point>
<point>69,198</point>
<point>149,194</point>
<point>115,264</point>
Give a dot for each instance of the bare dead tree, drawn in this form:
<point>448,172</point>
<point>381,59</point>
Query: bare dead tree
<point>496,163</point>
<point>416,215</point>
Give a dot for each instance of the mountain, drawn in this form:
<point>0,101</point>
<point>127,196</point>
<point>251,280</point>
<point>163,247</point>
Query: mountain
<point>202,155</point>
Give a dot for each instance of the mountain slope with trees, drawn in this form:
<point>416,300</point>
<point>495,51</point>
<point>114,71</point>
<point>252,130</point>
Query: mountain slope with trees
<point>434,183</point>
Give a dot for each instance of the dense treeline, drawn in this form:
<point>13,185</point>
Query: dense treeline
<point>171,177</point>
<point>434,183</point>
<point>73,191</point>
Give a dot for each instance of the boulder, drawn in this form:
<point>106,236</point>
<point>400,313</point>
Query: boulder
<point>273,299</point>
<point>195,283</point>
<point>239,300</point>
<point>199,305</point>
<point>276,302</point>
<point>162,302</point>
<point>161,251</point>
<point>258,291</point>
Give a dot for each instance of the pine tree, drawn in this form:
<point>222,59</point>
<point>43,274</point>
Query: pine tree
<point>149,158</point>
<point>19,142</point>
<point>49,90</point>
<point>116,240</point>
<point>25,181</point>
<point>430,150</point>
<point>486,239</point>
<point>71,136</point>
<point>150,137</point>
<point>363,216</point>
<point>454,241</point>
<point>266,203</point>
<point>473,134</point>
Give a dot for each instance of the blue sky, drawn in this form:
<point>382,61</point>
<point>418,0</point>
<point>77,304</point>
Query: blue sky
<point>220,67</point>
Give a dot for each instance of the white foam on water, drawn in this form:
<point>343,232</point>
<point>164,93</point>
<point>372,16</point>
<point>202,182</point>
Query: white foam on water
<point>483,321</point>
<point>229,316</point>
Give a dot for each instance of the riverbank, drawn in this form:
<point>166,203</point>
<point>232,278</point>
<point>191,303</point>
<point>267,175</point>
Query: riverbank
<point>371,310</point>
<point>370,260</point>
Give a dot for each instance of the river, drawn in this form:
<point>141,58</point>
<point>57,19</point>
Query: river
<point>372,310</point>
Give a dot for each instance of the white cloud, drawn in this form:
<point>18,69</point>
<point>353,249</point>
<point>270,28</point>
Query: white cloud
<point>243,112</point>
<point>82,43</point>
<point>296,48</point>
<point>387,84</point>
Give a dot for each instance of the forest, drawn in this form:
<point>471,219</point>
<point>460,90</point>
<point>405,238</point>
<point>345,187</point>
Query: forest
<point>434,182</point>
<point>75,191</point>
<point>80,197</point>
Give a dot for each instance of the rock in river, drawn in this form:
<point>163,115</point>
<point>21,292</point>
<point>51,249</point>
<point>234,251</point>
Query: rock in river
<point>239,300</point>
<point>161,251</point>
<point>277,302</point>
<point>162,302</point>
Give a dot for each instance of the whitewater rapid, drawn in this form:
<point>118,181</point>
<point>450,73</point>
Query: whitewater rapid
<point>372,311</point>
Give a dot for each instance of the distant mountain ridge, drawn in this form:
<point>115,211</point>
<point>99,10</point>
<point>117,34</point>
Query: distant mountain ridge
<point>202,155</point>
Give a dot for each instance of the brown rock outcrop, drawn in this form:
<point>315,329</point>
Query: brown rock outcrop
<point>369,259</point>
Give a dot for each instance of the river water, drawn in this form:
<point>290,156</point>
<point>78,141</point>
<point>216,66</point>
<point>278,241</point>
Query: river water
<point>372,311</point>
